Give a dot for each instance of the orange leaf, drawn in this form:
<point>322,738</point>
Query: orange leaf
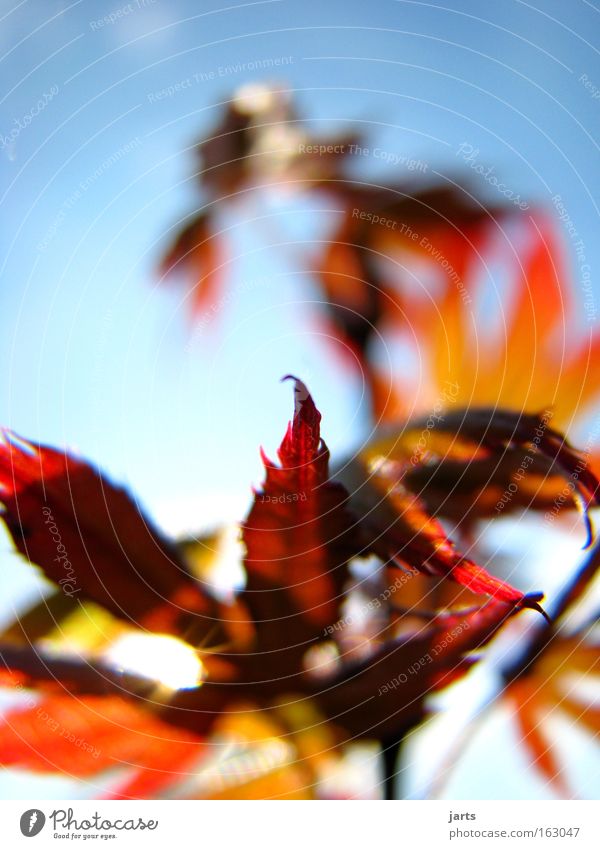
<point>82,737</point>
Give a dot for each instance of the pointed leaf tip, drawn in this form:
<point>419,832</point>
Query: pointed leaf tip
<point>531,601</point>
<point>301,394</point>
<point>303,438</point>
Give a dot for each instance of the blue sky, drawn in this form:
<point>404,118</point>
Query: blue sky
<point>95,355</point>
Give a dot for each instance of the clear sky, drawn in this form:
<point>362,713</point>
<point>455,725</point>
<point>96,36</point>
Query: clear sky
<point>95,355</point>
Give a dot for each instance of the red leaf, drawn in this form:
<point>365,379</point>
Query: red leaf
<point>398,528</point>
<point>90,537</point>
<point>297,532</point>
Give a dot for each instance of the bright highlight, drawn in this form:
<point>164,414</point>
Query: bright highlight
<point>164,658</point>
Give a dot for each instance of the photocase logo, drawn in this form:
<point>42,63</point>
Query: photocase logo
<point>32,822</point>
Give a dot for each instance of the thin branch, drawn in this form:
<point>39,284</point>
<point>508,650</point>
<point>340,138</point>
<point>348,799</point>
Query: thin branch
<point>571,594</point>
<point>85,677</point>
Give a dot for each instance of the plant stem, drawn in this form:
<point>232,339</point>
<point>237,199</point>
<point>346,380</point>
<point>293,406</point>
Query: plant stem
<point>391,751</point>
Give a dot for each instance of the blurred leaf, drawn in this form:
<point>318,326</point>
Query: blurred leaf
<point>41,619</point>
<point>384,693</point>
<point>550,690</point>
<point>522,346</point>
<point>467,464</point>
<point>82,737</point>
<point>440,226</point>
<point>198,252</point>
<point>258,758</point>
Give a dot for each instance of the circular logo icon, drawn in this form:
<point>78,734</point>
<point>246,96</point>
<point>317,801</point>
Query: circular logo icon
<point>32,822</point>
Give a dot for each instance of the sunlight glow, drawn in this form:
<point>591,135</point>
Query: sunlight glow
<point>255,97</point>
<point>162,657</point>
